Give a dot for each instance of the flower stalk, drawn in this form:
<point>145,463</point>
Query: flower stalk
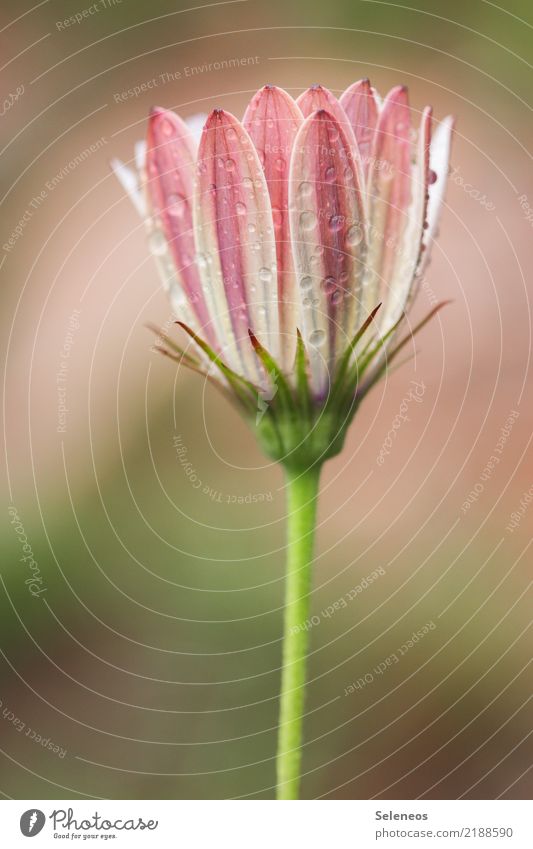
<point>302,496</point>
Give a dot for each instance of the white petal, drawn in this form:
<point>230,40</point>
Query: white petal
<point>409,252</point>
<point>439,161</point>
<point>130,183</point>
<point>140,156</point>
<point>196,124</point>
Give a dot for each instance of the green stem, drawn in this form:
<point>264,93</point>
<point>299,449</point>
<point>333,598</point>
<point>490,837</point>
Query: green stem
<point>302,493</point>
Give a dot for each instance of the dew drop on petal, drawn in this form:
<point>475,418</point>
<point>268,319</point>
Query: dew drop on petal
<point>329,174</point>
<point>328,285</point>
<point>240,208</point>
<point>306,283</point>
<point>265,275</point>
<point>176,206</point>
<point>229,165</point>
<point>305,190</point>
<point>308,220</point>
<point>432,176</point>
<point>157,243</point>
<point>317,337</point>
<point>354,236</point>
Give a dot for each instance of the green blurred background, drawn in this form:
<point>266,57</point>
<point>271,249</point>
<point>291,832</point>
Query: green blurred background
<point>152,659</point>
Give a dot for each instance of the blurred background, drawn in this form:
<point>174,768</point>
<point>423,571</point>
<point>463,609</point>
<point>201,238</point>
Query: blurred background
<point>142,585</point>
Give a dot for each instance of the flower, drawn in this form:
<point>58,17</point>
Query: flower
<point>280,237</point>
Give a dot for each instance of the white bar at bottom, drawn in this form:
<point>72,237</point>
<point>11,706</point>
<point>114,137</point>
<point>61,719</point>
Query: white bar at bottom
<point>268,824</point>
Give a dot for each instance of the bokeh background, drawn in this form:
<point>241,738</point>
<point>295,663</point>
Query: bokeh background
<point>150,659</point>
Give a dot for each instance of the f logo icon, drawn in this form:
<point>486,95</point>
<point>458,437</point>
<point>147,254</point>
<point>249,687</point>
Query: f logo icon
<point>32,822</point>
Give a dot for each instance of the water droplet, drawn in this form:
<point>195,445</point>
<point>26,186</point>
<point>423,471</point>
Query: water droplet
<point>328,285</point>
<point>230,165</point>
<point>307,220</point>
<point>432,177</point>
<point>265,275</point>
<point>251,228</point>
<point>305,190</point>
<point>157,243</point>
<point>176,206</point>
<point>329,174</point>
<point>240,208</point>
<point>231,134</point>
<point>336,297</point>
<point>247,183</point>
<point>279,163</point>
<point>317,337</point>
<point>306,283</point>
<point>354,236</point>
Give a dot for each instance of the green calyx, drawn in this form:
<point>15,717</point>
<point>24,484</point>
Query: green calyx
<point>292,427</point>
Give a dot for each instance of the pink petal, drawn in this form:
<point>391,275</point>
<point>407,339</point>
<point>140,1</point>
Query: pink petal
<point>272,120</point>
<point>329,240</point>
<point>235,241</point>
<point>389,194</point>
<point>170,179</point>
<point>401,288</point>
<point>361,106</point>
<point>317,97</point>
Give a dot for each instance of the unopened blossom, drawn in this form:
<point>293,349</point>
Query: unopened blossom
<point>279,236</point>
